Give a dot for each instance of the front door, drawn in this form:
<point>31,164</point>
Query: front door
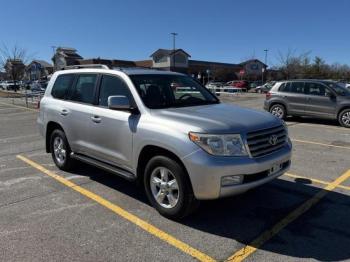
<point>111,131</point>
<point>318,100</point>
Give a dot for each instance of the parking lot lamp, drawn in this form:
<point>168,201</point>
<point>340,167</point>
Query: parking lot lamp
<point>174,39</point>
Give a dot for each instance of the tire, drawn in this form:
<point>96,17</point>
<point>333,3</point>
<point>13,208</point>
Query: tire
<point>279,111</point>
<point>176,199</point>
<point>60,150</point>
<point>344,118</point>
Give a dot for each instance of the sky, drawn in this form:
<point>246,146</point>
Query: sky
<point>216,30</point>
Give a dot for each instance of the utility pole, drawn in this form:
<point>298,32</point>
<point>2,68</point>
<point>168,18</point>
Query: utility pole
<point>264,69</point>
<point>174,39</point>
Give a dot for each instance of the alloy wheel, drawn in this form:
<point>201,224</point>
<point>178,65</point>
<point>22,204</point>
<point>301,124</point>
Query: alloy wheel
<point>345,118</point>
<point>59,150</point>
<point>164,187</point>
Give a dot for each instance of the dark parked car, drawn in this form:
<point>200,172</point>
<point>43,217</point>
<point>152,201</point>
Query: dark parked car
<point>317,98</point>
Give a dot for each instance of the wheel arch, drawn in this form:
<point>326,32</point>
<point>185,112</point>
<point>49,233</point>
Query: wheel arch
<point>150,151</point>
<point>341,109</point>
<point>51,126</point>
<point>278,103</point>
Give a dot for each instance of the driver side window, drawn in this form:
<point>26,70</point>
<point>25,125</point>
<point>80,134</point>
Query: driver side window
<point>112,86</point>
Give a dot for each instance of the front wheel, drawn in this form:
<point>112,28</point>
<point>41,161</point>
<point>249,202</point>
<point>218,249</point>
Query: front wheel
<point>168,188</point>
<point>344,118</point>
<point>278,111</point>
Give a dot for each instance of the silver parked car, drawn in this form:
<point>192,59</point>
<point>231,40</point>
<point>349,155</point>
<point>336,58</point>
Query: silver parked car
<point>315,98</point>
<point>182,144</point>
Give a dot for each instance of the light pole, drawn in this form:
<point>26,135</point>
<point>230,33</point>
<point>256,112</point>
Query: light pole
<point>263,68</point>
<point>174,39</point>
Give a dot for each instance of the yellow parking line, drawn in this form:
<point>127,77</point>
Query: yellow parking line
<point>317,143</point>
<point>267,235</point>
<point>123,213</point>
<point>315,180</point>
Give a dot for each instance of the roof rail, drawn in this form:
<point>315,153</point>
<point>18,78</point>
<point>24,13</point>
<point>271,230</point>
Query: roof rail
<point>85,66</point>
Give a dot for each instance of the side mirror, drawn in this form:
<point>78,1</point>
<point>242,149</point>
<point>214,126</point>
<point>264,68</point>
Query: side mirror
<point>331,95</point>
<point>119,103</point>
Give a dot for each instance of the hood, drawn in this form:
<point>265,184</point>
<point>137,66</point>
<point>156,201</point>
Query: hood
<point>218,118</point>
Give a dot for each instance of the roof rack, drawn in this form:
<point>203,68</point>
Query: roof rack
<point>85,66</point>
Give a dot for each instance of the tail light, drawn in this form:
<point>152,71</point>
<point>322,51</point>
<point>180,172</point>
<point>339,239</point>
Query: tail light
<point>268,95</point>
<point>38,105</point>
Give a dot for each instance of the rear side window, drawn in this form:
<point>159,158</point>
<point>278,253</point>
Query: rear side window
<point>62,85</point>
<point>84,89</point>
<point>283,87</point>
<point>296,87</point>
<point>112,86</point>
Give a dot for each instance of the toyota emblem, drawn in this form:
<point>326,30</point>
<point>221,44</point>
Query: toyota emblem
<point>273,140</point>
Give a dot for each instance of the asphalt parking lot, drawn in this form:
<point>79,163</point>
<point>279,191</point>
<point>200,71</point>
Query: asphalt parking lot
<point>90,215</point>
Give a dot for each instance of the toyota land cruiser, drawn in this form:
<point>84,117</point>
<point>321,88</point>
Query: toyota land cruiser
<point>164,130</point>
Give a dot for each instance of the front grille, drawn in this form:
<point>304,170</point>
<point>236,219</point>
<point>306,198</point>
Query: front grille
<point>258,141</point>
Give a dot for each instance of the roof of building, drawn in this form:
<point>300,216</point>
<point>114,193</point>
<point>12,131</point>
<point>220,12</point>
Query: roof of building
<point>208,63</point>
<point>108,62</point>
<point>68,52</point>
<point>252,61</point>
<point>144,63</point>
<point>169,51</point>
<point>42,63</point>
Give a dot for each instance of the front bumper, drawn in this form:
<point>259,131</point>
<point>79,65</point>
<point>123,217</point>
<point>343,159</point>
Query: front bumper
<point>206,171</point>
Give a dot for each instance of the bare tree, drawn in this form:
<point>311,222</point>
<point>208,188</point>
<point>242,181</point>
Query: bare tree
<point>13,61</point>
<point>293,65</point>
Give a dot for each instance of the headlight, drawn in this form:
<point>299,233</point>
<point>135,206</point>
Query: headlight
<point>220,145</point>
<point>286,127</point>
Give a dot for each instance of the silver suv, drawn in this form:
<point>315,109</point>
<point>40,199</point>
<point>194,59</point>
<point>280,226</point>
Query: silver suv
<point>313,98</point>
<point>163,130</point>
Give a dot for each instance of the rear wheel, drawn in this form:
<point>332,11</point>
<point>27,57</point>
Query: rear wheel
<point>278,110</point>
<point>168,188</point>
<point>60,150</point>
<point>344,118</point>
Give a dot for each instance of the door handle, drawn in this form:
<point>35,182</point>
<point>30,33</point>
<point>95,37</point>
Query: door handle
<point>64,112</point>
<point>96,119</point>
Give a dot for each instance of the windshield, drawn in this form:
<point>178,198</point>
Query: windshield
<point>340,90</point>
<point>163,91</point>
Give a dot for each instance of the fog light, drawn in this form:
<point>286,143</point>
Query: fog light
<point>231,180</point>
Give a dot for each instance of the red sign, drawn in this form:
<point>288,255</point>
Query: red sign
<point>241,72</point>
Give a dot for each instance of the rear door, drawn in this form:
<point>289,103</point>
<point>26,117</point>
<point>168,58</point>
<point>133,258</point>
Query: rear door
<point>292,94</point>
<point>77,111</point>
<point>318,100</point>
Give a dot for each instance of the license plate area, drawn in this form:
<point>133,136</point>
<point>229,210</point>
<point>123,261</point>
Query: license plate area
<point>275,169</point>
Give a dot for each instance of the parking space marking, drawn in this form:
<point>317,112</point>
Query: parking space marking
<point>22,107</point>
<point>123,213</point>
<point>315,180</point>
<point>326,127</point>
<point>246,251</point>
<point>320,144</point>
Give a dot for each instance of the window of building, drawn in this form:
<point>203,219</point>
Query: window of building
<point>84,89</point>
<point>62,85</point>
<point>112,86</point>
